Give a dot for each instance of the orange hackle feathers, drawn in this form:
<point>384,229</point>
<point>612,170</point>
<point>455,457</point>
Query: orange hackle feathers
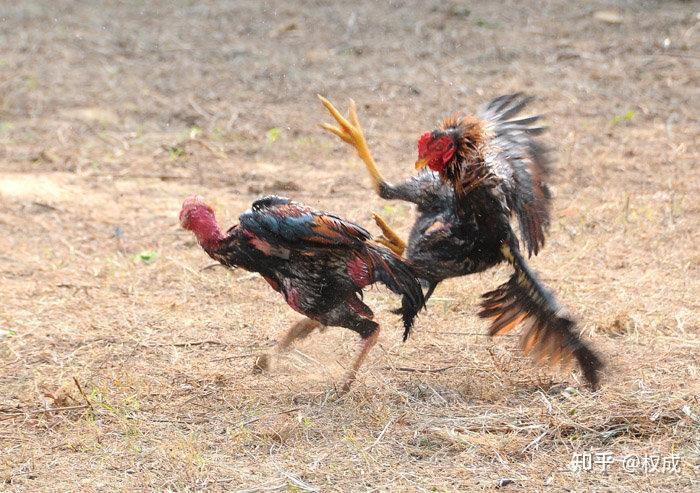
<point>473,136</point>
<point>469,171</point>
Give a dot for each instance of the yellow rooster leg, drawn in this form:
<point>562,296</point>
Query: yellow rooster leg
<point>296,332</point>
<point>351,132</point>
<point>351,375</point>
<point>390,238</point>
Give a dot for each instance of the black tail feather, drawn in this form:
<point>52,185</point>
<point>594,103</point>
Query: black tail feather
<point>503,107</point>
<point>398,276</point>
<point>546,332</point>
<point>529,197</point>
<point>426,297</point>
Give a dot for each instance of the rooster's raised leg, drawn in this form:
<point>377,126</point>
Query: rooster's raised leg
<point>350,131</point>
<point>298,331</point>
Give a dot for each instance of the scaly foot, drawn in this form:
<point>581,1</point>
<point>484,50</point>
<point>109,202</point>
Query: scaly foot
<point>389,238</point>
<point>350,131</point>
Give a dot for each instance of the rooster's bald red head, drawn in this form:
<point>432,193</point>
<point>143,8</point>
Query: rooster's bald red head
<point>193,207</point>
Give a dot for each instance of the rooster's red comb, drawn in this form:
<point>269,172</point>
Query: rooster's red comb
<point>423,144</point>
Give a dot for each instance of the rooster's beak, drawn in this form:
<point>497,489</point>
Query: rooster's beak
<point>421,163</point>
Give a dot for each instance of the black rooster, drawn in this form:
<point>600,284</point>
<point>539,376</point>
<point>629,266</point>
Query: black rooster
<point>319,262</point>
<point>477,173</point>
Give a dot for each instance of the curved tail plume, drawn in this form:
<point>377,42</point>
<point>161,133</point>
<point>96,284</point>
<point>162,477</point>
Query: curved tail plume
<point>547,333</point>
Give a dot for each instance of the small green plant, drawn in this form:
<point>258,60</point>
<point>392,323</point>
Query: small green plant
<point>349,436</point>
<point>388,209</point>
<point>627,117</point>
<point>176,152</point>
<point>218,135</point>
<point>7,333</point>
<point>30,82</point>
<point>198,460</point>
<point>485,24</point>
<point>195,132</point>
<point>146,256</point>
<point>304,142</point>
<point>273,134</point>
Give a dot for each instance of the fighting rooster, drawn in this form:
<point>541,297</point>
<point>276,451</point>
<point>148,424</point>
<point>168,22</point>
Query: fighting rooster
<point>477,172</point>
<point>319,262</point>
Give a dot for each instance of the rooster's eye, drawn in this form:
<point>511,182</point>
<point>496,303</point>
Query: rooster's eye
<point>442,145</point>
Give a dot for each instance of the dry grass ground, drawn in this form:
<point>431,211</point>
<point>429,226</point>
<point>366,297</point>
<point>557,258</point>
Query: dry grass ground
<point>111,115</point>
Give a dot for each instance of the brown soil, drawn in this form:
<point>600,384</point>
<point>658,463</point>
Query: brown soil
<point>127,366</point>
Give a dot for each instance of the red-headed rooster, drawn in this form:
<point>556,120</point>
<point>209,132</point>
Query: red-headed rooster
<point>477,172</point>
<point>319,262</point>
